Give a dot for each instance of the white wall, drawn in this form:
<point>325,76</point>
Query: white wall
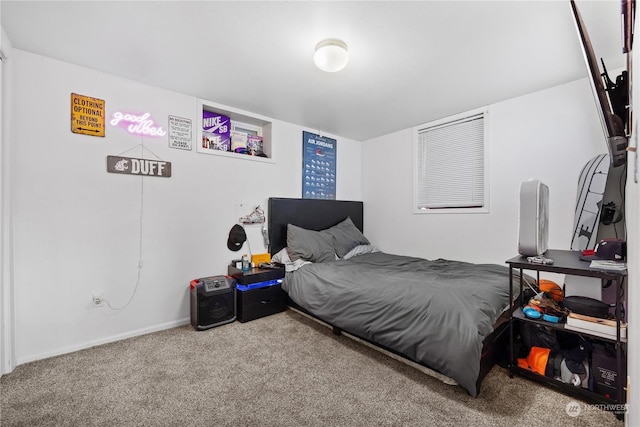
<point>7,354</point>
<point>547,135</point>
<point>76,227</point>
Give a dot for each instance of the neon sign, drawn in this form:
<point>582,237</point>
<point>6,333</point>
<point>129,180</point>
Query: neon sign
<point>137,124</point>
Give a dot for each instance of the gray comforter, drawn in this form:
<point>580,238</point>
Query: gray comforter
<point>435,312</point>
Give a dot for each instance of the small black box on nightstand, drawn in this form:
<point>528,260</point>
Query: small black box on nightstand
<point>255,275</point>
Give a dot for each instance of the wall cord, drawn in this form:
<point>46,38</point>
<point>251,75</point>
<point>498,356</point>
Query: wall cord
<point>140,228</point>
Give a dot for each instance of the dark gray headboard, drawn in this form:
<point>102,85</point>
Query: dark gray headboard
<point>311,214</point>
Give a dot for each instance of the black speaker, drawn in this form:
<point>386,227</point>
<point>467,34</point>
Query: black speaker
<point>213,301</point>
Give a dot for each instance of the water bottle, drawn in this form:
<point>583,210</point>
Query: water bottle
<point>245,263</point>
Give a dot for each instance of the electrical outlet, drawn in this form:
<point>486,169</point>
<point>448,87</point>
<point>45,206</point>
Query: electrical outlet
<point>97,300</point>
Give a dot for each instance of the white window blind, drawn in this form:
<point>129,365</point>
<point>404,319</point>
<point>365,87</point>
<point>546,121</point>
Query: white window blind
<point>450,164</point>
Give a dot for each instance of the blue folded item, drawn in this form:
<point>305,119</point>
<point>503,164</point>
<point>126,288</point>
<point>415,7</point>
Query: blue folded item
<point>531,313</point>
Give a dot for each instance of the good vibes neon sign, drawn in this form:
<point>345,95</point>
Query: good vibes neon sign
<point>137,124</point>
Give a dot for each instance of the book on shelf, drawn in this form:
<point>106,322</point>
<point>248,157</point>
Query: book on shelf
<point>605,328</point>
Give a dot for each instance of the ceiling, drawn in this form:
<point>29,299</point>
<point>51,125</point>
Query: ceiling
<point>410,62</point>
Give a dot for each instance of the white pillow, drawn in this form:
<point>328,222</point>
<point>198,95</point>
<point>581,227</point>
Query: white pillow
<point>281,257</point>
<point>361,250</point>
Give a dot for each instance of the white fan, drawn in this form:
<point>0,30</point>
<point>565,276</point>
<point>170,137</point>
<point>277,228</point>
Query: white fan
<point>533,233</point>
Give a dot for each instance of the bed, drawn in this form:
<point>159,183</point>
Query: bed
<point>449,317</point>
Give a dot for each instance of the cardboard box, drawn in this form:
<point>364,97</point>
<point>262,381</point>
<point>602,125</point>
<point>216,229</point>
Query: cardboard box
<point>216,131</point>
<point>601,327</point>
<point>212,141</point>
<point>256,259</point>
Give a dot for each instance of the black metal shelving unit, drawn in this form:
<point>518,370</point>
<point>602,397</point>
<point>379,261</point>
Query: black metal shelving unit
<point>568,263</point>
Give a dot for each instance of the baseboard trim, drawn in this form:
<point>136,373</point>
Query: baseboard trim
<point>107,340</point>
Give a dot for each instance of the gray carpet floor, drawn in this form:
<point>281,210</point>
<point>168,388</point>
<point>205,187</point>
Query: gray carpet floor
<point>282,370</point>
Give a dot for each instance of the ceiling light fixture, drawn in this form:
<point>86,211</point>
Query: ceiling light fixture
<point>331,55</point>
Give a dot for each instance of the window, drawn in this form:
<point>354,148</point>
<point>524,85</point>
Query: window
<point>451,164</point>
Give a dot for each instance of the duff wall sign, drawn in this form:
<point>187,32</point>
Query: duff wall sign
<point>133,166</point>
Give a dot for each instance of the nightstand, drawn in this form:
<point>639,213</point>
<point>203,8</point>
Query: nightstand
<point>258,292</point>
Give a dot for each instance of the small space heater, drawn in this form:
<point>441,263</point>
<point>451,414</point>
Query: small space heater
<point>533,227</point>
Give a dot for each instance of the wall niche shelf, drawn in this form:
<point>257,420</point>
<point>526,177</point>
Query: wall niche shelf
<point>240,119</point>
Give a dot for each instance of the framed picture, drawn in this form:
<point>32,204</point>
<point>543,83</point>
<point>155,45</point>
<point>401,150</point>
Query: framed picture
<point>318,167</point>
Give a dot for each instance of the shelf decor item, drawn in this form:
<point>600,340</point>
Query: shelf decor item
<point>216,131</point>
